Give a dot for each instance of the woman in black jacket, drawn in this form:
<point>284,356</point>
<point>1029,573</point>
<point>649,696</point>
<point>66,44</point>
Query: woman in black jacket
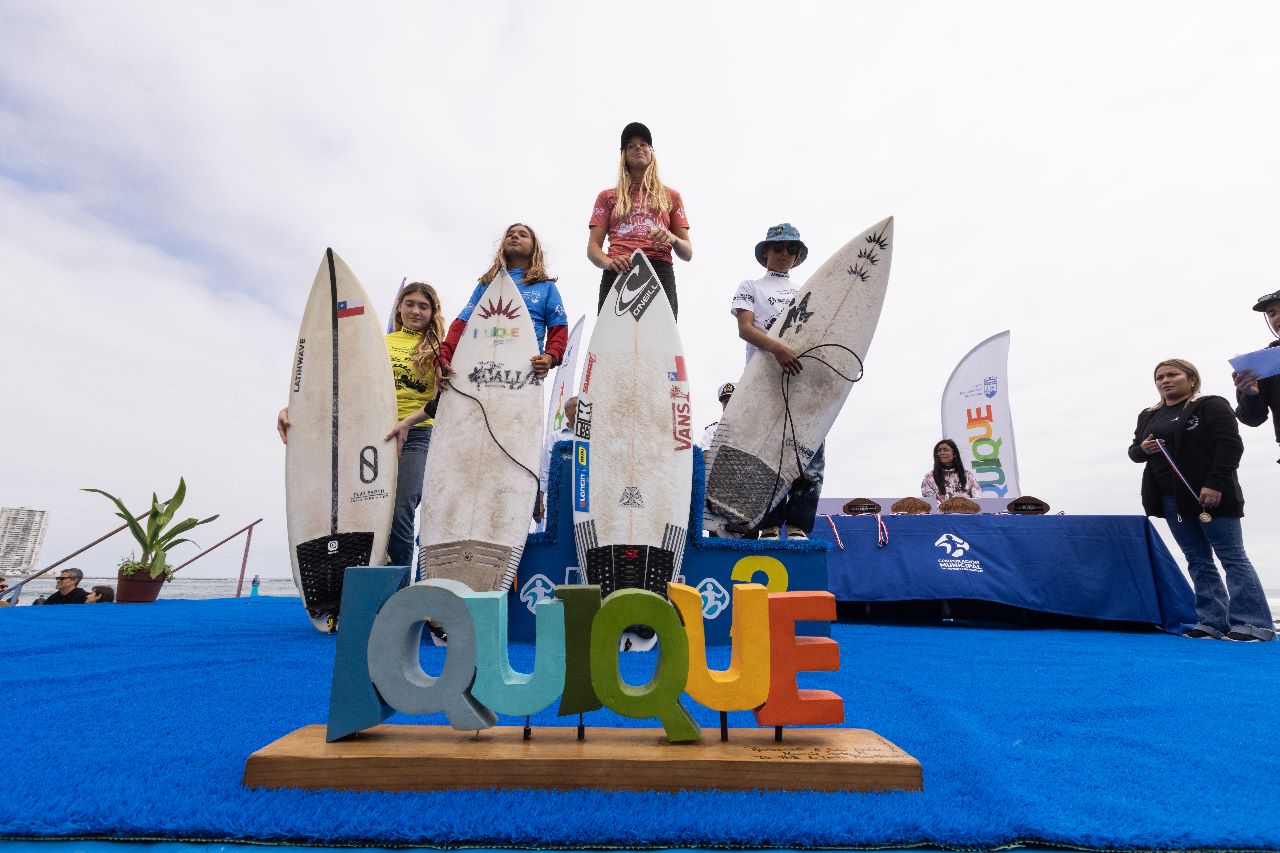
<point>1201,435</point>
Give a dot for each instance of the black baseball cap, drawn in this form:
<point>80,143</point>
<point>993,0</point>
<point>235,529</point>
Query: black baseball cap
<point>633,130</point>
<point>1266,299</point>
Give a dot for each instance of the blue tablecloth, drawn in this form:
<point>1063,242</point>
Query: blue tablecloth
<point>1096,566</point>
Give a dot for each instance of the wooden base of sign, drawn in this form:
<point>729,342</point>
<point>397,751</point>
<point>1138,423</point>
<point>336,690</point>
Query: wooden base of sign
<point>432,758</point>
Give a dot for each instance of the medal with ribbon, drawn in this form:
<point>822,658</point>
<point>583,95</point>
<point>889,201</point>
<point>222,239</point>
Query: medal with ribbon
<point>1205,518</point>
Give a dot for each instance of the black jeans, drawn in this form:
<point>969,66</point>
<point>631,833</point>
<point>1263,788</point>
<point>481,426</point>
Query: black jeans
<point>666,275</point>
<point>799,509</point>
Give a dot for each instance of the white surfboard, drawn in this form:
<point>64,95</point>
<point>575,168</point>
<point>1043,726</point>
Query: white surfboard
<point>633,441</point>
<point>758,451</point>
<point>482,471</point>
<point>340,475</point>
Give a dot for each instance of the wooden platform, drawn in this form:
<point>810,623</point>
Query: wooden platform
<point>431,758</point>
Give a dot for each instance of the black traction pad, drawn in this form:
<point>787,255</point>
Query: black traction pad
<point>322,563</point>
<point>614,567</point>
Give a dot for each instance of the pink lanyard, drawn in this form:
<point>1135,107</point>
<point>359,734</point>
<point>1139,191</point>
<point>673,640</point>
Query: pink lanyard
<point>1204,516</point>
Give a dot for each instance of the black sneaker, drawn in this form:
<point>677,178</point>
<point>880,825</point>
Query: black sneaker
<point>1242,637</point>
<point>1199,634</point>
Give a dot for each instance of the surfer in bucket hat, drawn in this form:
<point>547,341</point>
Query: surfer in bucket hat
<point>756,305</point>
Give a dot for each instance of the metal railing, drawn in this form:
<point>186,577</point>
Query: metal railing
<point>244,560</point>
<point>13,594</point>
<point>16,591</point>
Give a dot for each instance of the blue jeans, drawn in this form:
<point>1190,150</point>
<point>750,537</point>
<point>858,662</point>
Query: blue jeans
<point>413,463</point>
<point>1240,604</point>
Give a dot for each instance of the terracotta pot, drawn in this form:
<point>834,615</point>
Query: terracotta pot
<point>137,588</point>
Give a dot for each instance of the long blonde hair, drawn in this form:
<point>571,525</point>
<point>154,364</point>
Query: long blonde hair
<point>653,193</point>
<point>537,269</point>
<point>1187,368</point>
<point>427,351</point>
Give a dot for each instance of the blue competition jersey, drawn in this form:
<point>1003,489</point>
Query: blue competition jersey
<point>541,298</point>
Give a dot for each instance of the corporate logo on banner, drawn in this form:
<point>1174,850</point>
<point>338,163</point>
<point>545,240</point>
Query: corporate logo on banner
<point>975,413</point>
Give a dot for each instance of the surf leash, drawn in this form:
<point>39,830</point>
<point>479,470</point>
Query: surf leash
<point>788,422</point>
<point>1205,517</point>
<point>484,414</point>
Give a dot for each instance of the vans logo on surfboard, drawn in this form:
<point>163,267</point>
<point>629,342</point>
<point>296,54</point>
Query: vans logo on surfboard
<point>681,420</point>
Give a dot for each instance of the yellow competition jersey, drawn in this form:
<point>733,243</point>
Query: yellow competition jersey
<point>412,393</point>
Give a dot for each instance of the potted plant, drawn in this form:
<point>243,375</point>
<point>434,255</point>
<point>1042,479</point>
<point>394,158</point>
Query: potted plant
<point>139,579</point>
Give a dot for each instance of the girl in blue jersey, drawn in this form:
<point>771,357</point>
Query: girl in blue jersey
<point>520,253</point>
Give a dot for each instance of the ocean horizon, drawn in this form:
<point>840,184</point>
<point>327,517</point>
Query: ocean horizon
<point>203,588</point>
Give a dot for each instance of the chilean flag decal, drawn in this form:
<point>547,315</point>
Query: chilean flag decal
<point>678,375</point>
<point>346,309</point>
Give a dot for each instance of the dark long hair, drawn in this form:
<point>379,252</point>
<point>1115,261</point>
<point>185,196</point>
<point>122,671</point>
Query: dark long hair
<point>939,473</point>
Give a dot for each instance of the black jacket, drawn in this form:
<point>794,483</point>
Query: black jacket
<point>1252,411</point>
<point>1207,448</point>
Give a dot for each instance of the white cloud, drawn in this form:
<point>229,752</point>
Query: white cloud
<point>1096,178</point>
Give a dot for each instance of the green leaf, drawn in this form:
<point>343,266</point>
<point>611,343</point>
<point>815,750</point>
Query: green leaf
<point>158,564</point>
<point>136,529</point>
<point>153,518</point>
<point>181,527</point>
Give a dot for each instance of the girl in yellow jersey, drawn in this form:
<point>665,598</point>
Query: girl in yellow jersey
<point>414,347</point>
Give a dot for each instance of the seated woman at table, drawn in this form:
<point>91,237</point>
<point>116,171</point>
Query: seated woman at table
<point>1201,500</point>
<point>949,477</point>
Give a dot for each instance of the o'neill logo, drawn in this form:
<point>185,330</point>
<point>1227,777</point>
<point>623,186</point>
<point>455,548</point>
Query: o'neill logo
<point>955,548</point>
<point>635,292</point>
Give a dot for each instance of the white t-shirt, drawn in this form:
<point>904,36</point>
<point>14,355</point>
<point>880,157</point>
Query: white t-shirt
<point>708,435</point>
<point>765,298</point>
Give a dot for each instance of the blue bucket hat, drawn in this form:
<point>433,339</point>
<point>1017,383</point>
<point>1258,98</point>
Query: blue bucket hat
<point>784,233</point>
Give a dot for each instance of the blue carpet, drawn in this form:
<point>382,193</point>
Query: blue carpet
<point>1086,739</point>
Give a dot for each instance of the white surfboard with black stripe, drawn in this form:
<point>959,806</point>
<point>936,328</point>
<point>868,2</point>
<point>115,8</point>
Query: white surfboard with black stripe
<point>633,442</point>
<point>481,480</point>
<point>340,475</point>
<point>758,449</point>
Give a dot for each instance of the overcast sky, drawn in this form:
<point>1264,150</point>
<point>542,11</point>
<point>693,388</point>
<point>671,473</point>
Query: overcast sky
<point>1098,178</point>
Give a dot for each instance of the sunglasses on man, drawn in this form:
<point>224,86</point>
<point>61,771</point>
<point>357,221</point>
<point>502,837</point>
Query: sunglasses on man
<point>791,247</point>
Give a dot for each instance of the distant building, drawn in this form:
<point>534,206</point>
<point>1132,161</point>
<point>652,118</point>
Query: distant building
<point>21,535</point>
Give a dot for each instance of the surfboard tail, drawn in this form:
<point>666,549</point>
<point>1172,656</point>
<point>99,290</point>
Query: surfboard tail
<point>740,486</point>
<point>323,561</point>
<point>482,566</point>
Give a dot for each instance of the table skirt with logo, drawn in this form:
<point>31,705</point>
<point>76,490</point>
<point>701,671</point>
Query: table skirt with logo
<point>1107,567</point>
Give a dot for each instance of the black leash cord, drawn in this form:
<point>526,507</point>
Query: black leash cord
<point>484,414</point>
<point>788,421</point>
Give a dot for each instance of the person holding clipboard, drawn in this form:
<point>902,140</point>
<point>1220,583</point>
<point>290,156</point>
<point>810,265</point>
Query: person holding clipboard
<point>1255,395</point>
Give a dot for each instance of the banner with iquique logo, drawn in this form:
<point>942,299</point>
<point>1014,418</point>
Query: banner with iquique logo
<point>975,415</point>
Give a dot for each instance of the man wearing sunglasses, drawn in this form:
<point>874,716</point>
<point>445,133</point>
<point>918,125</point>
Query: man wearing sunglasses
<point>757,304</point>
<point>68,589</point>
